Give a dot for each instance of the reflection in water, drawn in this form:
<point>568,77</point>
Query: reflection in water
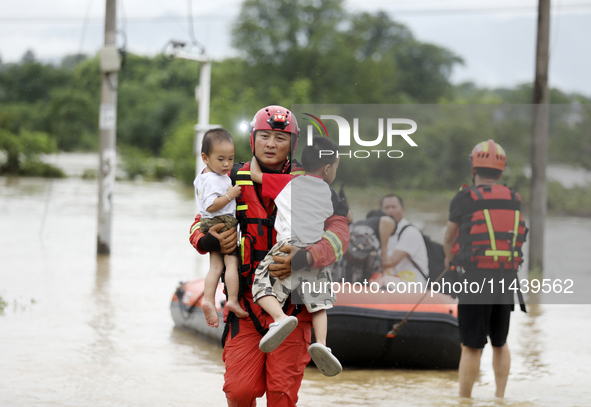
<point>532,343</point>
<point>205,352</point>
<point>102,348</point>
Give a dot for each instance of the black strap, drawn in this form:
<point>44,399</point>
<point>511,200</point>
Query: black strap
<point>295,297</point>
<point>402,230</point>
<point>234,323</point>
<point>519,293</point>
<point>257,324</point>
<point>488,188</point>
<point>481,249</point>
<point>478,237</point>
<point>259,255</point>
<point>480,203</point>
<point>244,282</point>
<point>226,330</point>
<point>408,255</point>
<point>476,191</point>
<point>521,301</point>
<point>491,204</point>
<point>269,222</point>
<point>513,195</point>
<point>243,177</point>
<point>234,172</point>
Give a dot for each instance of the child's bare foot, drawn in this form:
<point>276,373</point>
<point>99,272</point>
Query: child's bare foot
<point>211,314</point>
<point>234,306</point>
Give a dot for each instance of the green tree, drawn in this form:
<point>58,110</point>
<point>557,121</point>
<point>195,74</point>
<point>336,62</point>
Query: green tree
<point>22,152</point>
<point>356,58</point>
<point>179,148</point>
<point>271,32</point>
<point>70,62</point>
<point>29,82</point>
<point>72,119</point>
<point>28,57</point>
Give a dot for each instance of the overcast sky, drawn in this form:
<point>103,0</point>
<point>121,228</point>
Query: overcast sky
<point>496,38</point>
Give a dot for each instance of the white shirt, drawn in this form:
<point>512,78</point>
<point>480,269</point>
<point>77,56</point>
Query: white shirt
<point>303,205</point>
<point>208,187</point>
<point>412,243</point>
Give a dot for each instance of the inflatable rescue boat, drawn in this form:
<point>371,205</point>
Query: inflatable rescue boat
<point>358,325</point>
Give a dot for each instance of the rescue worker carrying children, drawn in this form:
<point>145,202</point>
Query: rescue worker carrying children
<point>251,373</point>
<point>484,236</point>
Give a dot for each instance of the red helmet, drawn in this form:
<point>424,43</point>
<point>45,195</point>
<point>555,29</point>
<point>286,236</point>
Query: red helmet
<point>275,118</point>
<point>488,154</point>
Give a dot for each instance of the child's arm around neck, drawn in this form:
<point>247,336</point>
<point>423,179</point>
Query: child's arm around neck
<point>256,174</point>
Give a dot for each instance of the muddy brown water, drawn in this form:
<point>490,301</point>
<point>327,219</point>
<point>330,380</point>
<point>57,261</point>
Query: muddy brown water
<point>82,330</point>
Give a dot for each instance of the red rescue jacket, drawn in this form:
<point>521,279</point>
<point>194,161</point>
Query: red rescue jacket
<point>256,217</point>
<point>492,233</point>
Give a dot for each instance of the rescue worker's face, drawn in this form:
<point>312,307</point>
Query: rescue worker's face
<point>272,147</point>
<point>391,207</point>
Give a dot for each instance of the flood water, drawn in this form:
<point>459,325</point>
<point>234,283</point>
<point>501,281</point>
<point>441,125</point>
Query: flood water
<point>82,330</point>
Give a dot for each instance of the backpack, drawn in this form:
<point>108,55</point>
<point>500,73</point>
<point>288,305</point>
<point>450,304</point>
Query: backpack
<point>361,246</point>
<point>435,254</point>
<point>361,260</point>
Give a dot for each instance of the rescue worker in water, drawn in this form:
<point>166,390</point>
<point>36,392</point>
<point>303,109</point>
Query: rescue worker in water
<point>251,373</point>
<point>484,236</point>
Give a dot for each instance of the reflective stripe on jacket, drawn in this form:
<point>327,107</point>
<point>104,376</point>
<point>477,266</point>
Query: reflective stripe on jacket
<point>492,233</point>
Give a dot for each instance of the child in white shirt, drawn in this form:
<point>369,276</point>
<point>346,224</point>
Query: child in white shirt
<point>216,200</point>
<point>303,205</point>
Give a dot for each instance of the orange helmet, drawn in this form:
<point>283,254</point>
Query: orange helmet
<point>488,154</point>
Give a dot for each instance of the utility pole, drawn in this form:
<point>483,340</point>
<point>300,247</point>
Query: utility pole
<point>202,94</point>
<point>202,125</point>
<point>110,65</point>
<point>539,144</point>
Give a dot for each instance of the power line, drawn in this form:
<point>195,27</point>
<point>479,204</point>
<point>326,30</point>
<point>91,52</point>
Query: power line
<point>154,20</point>
<point>86,20</point>
<point>191,30</point>
<point>492,10</point>
<point>554,32</point>
<point>123,18</point>
<point>100,20</point>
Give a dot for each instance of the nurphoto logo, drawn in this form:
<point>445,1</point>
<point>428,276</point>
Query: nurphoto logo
<point>394,127</point>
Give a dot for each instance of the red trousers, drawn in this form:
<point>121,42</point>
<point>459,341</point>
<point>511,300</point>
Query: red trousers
<point>251,373</point>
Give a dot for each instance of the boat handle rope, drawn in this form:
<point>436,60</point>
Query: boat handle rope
<point>397,327</point>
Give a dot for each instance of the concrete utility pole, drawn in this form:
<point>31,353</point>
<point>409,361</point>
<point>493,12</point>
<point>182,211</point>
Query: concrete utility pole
<point>202,125</point>
<point>539,144</point>
<point>110,65</point>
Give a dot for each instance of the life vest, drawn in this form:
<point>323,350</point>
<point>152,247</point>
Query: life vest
<point>493,231</point>
<point>256,224</point>
<point>258,237</point>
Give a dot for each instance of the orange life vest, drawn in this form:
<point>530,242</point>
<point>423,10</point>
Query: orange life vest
<point>258,237</point>
<point>492,233</point>
<point>256,224</point>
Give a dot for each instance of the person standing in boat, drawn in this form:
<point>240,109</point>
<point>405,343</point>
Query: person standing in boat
<point>484,236</point>
<point>251,373</point>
